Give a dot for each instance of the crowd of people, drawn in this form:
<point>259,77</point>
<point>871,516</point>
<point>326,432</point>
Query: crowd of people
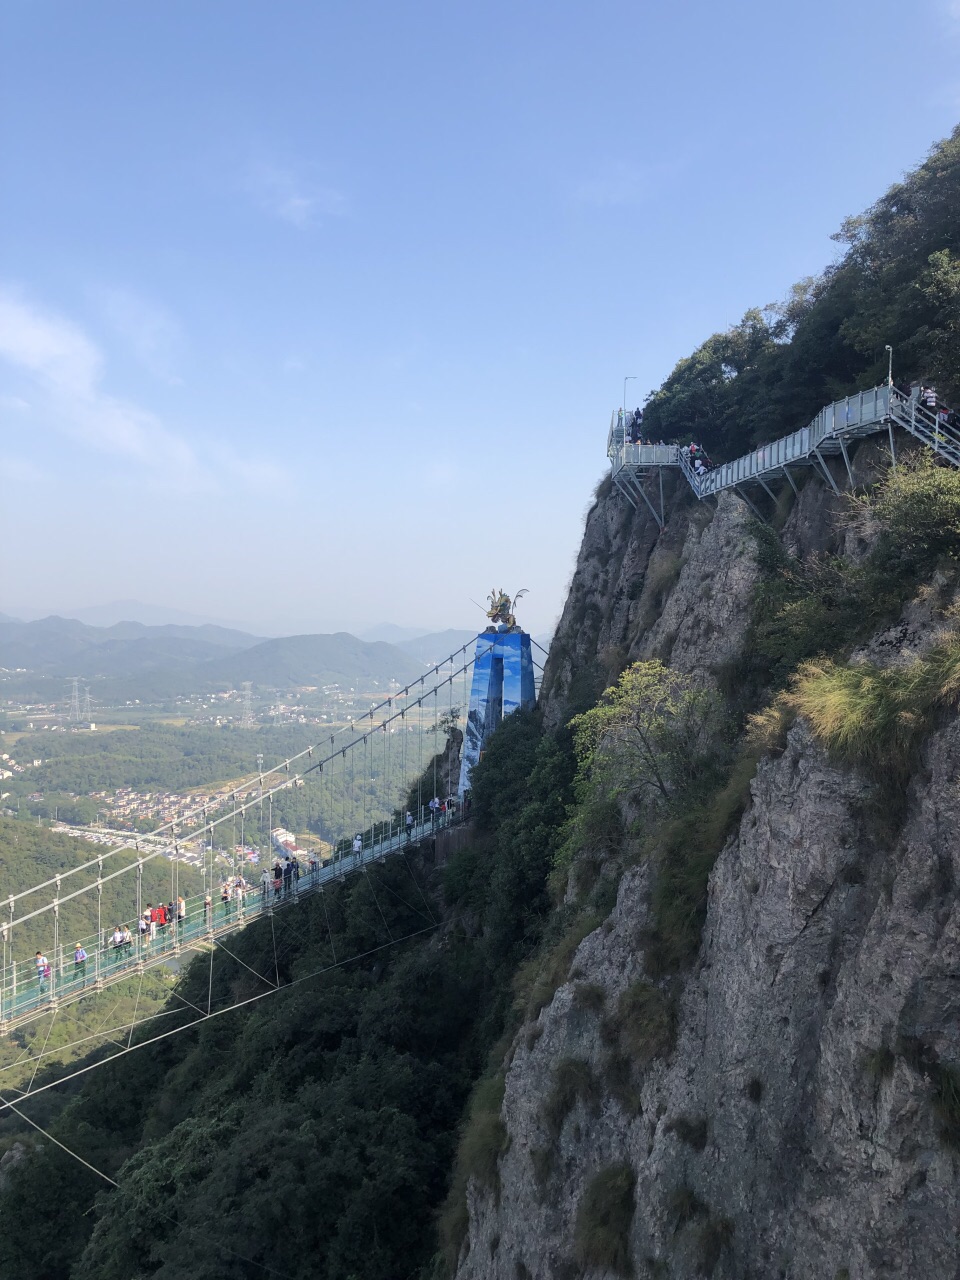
<point>930,400</point>
<point>163,924</point>
<point>632,426</point>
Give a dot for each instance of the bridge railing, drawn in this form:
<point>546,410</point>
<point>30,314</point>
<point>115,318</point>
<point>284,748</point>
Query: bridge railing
<point>23,994</point>
<point>854,415</point>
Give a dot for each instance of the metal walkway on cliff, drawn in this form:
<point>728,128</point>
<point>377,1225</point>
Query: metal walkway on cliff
<point>363,748</point>
<point>829,434</point>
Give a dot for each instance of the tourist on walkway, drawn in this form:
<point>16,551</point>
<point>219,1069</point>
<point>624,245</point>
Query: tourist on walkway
<point>79,965</point>
<point>43,971</point>
<point>358,843</point>
<point>409,822</point>
<point>208,911</point>
<point>266,879</point>
<point>127,939</point>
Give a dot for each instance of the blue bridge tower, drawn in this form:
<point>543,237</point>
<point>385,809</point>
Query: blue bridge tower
<point>502,683</point>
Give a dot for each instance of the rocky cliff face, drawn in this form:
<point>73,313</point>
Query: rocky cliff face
<point>796,1118</point>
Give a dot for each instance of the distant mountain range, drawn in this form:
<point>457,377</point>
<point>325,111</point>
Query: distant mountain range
<point>65,647</point>
<point>280,664</point>
<point>132,661</point>
<point>433,648</point>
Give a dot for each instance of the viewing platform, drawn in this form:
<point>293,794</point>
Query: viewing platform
<point>834,428</point>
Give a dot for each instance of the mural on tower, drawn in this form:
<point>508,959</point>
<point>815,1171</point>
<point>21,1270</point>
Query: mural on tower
<point>502,679</point>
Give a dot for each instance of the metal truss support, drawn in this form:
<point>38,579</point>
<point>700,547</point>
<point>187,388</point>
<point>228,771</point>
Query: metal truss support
<point>622,488</point>
<point>653,509</point>
<point>893,452</point>
<point>826,471</point>
<point>790,480</point>
<point>743,496</point>
<point>846,459</point>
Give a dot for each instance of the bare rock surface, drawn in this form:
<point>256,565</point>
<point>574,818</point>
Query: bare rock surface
<point>809,1038</point>
<point>806,1123</point>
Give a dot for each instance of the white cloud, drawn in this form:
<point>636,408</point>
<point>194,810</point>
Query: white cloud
<point>66,371</point>
<point>294,197</point>
<point>149,331</point>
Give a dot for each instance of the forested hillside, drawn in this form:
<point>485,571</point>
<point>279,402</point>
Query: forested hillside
<point>684,1004</point>
<point>311,1132</point>
<point>897,282</point>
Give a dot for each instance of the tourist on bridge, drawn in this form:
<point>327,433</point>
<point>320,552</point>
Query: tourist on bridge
<point>287,876</point>
<point>409,822</point>
<point>239,890</point>
<point>358,843</point>
<point>434,807</point>
<point>143,928</point>
<point>80,964</point>
<point>127,939</point>
<point>224,899</point>
<point>116,941</point>
<point>266,880</point>
<point>43,971</point>
<point>207,911</point>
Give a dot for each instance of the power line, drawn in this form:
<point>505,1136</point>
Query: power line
<point>200,813</point>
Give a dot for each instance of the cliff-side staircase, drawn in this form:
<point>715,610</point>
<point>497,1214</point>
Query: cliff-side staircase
<point>829,435</point>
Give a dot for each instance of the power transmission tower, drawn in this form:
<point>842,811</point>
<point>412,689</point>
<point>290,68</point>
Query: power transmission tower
<point>246,720</point>
<point>87,709</point>
<point>75,700</point>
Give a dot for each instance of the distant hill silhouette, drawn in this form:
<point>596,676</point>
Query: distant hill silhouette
<point>64,647</point>
<point>277,665</point>
<point>437,645</point>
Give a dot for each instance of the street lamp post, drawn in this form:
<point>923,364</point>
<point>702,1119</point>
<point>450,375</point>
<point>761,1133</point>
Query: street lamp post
<point>889,351</point>
<point>631,378</point>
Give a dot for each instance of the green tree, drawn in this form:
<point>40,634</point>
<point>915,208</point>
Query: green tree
<point>650,732</point>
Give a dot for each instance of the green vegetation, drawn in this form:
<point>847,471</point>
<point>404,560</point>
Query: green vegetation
<point>875,716</point>
<point>714,1237</point>
<point>163,757</point>
<point>347,1087</point>
<point>643,1024</point>
<point>684,1205</point>
<point>326,1129</point>
<point>946,1103</point>
<point>604,1217</point>
<point>573,1082</point>
<point>898,282</point>
<point>693,1132</point>
<point>879,1063</point>
<point>649,732</point>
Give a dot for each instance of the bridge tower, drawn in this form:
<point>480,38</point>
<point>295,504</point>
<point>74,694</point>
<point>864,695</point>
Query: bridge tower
<point>502,681</point>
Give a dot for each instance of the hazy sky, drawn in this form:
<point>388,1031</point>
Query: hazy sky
<point>313,314</point>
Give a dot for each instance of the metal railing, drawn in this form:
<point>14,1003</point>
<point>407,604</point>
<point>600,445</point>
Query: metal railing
<point>857,415</point>
<point>24,992</point>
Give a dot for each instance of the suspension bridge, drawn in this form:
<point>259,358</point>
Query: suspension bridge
<point>831,432</point>
<point>400,738</point>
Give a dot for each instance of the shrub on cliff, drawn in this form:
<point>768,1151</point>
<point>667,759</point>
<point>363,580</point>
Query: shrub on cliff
<point>878,716</point>
<point>604,1218</point>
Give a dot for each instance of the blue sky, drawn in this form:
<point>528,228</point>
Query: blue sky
<point>312,315</point>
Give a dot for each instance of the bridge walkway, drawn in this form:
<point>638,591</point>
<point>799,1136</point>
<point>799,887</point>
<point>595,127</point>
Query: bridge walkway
<point>829,434</point>
<point>22,998</point>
